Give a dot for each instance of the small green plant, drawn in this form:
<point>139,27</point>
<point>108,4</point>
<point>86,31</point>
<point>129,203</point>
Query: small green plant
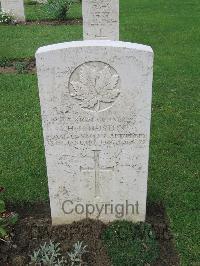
<point>77,253</point>
<point>130,244</point>
<point>58,8</point>
<point>7,219</point>
<point>21,67</point>
<point>4,62</point>
<point>6,18</point>
<point>48,255</point>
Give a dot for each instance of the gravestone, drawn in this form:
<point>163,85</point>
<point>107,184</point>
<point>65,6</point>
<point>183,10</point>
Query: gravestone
<point>95,98</point>
<point>100,19</point>
<point>42,1</point>
<point>96,106</point>
<point>15,8</point>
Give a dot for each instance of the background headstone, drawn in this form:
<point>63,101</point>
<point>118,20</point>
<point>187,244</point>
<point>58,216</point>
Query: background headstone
<point>96,107</point>
<point>42,1</point>
<point>100,19</point>
<point>14,7</point>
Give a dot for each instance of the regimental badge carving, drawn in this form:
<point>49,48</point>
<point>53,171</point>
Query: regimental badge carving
<point>95,86</point>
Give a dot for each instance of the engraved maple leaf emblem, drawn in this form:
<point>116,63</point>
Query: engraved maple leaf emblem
<point>95,86</point>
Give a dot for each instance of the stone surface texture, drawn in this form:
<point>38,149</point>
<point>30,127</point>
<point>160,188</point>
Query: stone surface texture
<point>15,7</point>
<point>101,19</point>
<point>96,107</point>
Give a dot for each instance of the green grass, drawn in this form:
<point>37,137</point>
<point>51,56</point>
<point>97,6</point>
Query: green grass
<point>37,12</point>
<point>27,39</point>
<point>172,29</point>
<point>22,164</point>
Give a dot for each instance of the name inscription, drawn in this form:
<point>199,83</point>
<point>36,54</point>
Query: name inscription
<point>93,134</point>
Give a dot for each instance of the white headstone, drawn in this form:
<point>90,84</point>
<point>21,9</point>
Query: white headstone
<point>42,1</point>
<point>15,8</point>
<point>100,19</point>
<point>96,107</point>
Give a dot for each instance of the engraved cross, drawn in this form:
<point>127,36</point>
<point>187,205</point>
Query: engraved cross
<point>100,35</point>
<point>97,171</point>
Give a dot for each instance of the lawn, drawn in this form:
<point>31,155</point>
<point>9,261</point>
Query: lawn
<point>37,11</point>
<point>172,29</point>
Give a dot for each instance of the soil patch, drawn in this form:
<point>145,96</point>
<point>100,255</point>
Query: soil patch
<point>19,67</point>
<point>77,21</point>
<point>34,228</point>
<point>156,216</point>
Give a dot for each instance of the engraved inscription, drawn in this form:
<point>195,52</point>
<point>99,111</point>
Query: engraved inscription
<point>95,86</point>
<point>97,170</point>
<point>101,19</point>
<point>102,13</point>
